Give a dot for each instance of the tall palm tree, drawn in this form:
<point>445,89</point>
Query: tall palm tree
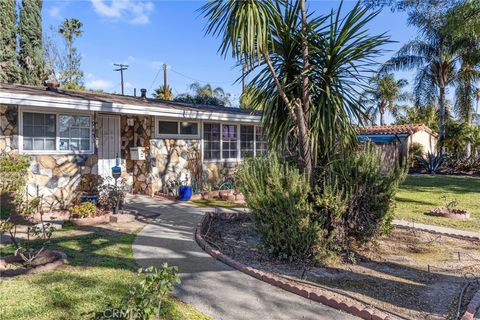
<point>246,30</point>
<point>301,67</point>
<point>208,92</point>
<point>384,93</point>
<point>70,29</point>
<point>433,60</point>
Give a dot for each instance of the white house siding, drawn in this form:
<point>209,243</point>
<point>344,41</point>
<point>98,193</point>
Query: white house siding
<point>427,140</point>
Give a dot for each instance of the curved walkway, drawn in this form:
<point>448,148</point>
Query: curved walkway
<point>209,285</point>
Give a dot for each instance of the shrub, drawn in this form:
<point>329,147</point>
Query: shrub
<point>351,203</point>
<point>278,196</point>
<point>145,299</point>
<point>432,163</point>
<point>84,210</point>
<point>367,193</point>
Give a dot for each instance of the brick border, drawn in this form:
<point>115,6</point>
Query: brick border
<point>472,307</point>
<point>347,305</point>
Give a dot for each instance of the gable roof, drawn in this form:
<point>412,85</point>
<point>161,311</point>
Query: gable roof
<point>83,96</point>
<point>401,129</point>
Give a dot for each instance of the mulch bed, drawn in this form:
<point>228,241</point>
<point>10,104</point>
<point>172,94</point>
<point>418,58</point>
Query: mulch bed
<point>411,274</point>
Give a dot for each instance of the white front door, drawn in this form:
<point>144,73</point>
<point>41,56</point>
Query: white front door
<point>108,144</point>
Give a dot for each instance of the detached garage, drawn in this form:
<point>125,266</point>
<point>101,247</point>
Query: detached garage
<point>396,140</point>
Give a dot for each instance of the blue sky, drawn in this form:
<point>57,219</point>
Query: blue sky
<point>146,34</point>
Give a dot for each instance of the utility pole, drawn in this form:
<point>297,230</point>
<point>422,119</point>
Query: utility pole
<point>121,68</point>
<point>165,81</point>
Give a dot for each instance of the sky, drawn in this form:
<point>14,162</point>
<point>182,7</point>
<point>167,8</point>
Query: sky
<point>146,34</point>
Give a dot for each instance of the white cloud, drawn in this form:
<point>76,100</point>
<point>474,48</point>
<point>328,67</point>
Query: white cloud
<point>156,64</point>
<point>99,84</point>
<point>131,58</point>
<point>55,9</point>
<point>135,12</point>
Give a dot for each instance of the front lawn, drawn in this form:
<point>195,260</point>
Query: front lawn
<point>419,194</point>
<point>99,271</point>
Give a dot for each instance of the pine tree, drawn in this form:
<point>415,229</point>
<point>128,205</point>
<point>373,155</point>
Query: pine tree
<point>8,67</point>
<point>31,57</point>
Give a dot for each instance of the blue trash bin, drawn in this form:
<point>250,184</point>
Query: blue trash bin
<point>184,193</point>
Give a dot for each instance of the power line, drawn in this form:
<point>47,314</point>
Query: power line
<point>197,80</point>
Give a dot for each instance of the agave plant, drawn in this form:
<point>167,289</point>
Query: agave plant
<point>432,163</point>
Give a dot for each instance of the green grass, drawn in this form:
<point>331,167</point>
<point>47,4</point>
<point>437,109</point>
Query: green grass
<point>217,203</point>
<point>99,272</point>
<point>419,194</point>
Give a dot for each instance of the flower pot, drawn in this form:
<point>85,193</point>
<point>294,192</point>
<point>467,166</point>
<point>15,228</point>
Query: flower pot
<point>184,193</point>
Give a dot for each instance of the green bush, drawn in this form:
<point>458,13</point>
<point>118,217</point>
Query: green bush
<point>278,196</point>
<point>367,192</point>
<point>84,210</point>
<point>352,202</point>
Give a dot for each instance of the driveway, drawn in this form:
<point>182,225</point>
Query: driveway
<point>207,284</point>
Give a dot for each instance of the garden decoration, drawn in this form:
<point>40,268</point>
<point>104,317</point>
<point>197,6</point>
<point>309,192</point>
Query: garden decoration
<point>449,210</point>
<point>184,190</point>
<point>116,173</point>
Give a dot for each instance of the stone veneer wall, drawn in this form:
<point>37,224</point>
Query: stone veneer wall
<point>137,172</point>
<point>169,159</point>
<point>55,177</point>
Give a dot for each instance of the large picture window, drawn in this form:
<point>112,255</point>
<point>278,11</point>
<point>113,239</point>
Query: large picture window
<point>53,132</point>
<point>211,141</point>
<point>225,141</point>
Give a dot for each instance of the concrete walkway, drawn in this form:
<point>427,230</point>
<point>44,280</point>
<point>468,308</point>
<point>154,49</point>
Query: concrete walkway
<point>209,285</point>
<point>443,230</point>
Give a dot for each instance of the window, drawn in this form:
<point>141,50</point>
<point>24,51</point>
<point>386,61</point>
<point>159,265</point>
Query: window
<point>247,141</point>
<point>261,141</point>
<point>211,140</point>
<point>39,131</point>
<point>168,127</point>
<point>42,132</point>
<point>189,128</point>
<point>229,141</point>
<point>74,133</point>
<point>177,128</point>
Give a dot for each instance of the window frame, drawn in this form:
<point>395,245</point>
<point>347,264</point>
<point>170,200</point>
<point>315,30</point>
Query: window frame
<point>57,114</point>
<point>239,158</point>
<point>178,135</point>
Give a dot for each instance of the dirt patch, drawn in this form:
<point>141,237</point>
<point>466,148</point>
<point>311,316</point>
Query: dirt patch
<point>47,260</point>
<point>412,274</point>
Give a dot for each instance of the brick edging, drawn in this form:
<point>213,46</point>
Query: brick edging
<point>472,307</point>
<point>347,305</point>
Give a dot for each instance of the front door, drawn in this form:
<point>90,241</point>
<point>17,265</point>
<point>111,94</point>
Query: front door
<point>108,144</point>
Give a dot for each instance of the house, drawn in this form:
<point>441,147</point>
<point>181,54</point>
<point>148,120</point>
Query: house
<point>70,133</point>
<point>395,141</point>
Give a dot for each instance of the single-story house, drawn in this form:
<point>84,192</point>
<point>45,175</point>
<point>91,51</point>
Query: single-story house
<point>395,140</point>
<point>70,133</point>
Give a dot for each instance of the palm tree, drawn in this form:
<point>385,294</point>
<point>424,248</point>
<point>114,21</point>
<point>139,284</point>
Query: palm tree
<point>163,94</point>
<point>301,67</point>
<point>207,92</point>
<point>384,93</point>
<point>433,60</point>
<point>70,29</point>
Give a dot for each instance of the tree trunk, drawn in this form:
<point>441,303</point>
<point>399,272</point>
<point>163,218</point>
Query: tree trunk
<point>441,101</point>
<point>70,63</point>
<point>301,111</point>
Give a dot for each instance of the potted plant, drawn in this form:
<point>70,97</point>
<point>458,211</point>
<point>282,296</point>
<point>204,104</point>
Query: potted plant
<point>112,196</point>
<point>89,187</point>
<point>185,189</point>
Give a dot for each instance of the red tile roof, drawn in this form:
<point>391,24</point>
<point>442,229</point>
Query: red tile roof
<point>396,129</point>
